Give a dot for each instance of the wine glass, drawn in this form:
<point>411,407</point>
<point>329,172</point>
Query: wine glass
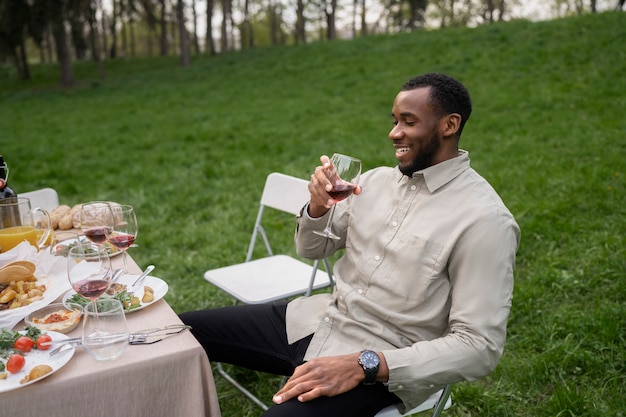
<point>125,229</point>
<point>344,174</point>
<point>89,271</point>
<point>105,332</point>
<point>96,221</point>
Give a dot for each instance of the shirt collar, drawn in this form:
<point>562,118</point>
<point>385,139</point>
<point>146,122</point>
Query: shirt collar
<point>440,174</point>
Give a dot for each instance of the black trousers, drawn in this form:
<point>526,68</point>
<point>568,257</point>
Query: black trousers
<point>255,337</point>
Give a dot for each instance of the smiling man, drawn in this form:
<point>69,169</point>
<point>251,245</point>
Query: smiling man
<point>423,289</point>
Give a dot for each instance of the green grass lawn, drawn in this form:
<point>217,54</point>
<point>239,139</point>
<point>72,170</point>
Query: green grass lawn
<point>190,149</point>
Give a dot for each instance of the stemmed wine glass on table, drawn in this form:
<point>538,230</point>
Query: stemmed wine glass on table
<point>96,221</point>
<point>344,173</point>
<point>89,271</point>
<point>124,230</point>
<point>105,333</point>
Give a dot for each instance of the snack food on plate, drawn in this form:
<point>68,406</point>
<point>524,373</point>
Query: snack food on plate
<point>14,359</point>
<point>18,285</point>
<point>57,317</point>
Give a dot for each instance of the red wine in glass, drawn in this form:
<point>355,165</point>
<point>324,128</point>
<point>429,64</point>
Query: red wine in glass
<point>341,191</point>
<point>97,234</point>
<point>122,240</point>
<point>91,289</point>
<point>341,166</point>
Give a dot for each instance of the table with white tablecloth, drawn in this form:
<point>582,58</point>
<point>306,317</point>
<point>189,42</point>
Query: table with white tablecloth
<point>171,378</point>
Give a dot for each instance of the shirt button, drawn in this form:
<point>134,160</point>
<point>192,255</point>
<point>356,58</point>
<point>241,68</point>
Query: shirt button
<point>394,224</point>
<point>341,297</point>
<point>413,187</point>
<point>400,386</point>
<point>431,386</point>
<point>360,292</point>
<point>326,319</point>
<point>377,258</point>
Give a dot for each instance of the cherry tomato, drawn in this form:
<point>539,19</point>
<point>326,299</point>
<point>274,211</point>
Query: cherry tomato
<point>15,363</point>
<point>24,344</point>
<point>43,342</point>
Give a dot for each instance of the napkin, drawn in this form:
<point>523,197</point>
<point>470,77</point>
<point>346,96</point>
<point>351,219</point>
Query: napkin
<point>50,271</point>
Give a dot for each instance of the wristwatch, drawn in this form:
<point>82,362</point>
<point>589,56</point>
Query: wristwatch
<point>370,362</point>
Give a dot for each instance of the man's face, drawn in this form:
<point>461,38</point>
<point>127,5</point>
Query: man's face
<point>415,132</point>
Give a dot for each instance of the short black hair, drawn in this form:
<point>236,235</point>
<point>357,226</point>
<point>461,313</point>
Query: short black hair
<point>447,95</point>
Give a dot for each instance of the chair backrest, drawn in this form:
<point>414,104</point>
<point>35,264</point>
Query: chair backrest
<point>284,192</point>
<point>46,198</point>
<point>281,192</point>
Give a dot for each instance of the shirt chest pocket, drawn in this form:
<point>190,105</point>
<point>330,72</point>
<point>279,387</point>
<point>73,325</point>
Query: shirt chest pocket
<point>411,265</point>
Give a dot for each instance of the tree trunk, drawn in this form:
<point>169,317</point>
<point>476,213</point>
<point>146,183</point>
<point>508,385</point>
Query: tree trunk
<point>226,31</point>
<point>123,28</point>
<point>63,52</point>
<point>331,30</point>
<point>196,44</point>
<point>364,30</point>
<point>93,38</point>
<point>300,23</point>
<point>131,31</point>
<point>182,34</point>
<point>113,52</point>
<point>247,35</point>
<point>21,61</point>
<point>105,40</point>
<point>163,23</point>
<point>209,41</point>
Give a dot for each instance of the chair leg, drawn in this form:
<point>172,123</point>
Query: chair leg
<point>247,393</point>
<point>441,402</point>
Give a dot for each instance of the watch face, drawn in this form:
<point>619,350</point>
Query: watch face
<point>369,359</point>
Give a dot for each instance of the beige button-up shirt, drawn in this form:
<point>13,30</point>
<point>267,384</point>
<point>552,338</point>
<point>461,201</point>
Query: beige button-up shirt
<point>426,277</point>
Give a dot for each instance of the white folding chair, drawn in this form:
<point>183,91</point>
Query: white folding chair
<point>438,402</point>
<point>46,198</point>
<point>276,276</point>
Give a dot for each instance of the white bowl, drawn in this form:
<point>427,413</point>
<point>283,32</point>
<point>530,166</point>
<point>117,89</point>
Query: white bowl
<point>58,317</point>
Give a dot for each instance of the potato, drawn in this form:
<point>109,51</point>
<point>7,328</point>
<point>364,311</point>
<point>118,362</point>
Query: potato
<point>148,295</point>
<point>36,373</point>
<point>7,295</point>
<point>39,371</point>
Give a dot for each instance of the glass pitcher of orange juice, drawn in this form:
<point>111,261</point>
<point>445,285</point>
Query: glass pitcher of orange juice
<point>18,222</point>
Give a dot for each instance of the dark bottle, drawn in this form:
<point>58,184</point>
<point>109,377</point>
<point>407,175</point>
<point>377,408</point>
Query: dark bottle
<point>10,216</point>
<point>5,191</point>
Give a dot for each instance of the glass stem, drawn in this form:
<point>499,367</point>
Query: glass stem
<point>124,259</point>
<point>330,219</point>
<point>96,316</point>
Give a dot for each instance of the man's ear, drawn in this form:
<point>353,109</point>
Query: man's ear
<point>450,124</point>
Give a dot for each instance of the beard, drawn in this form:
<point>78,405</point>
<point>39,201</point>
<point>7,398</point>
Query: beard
<point>423,159</point>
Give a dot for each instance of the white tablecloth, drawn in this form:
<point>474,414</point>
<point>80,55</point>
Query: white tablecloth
<point>171,378</point>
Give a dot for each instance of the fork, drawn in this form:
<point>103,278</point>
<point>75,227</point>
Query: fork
<point>139,338</point>
<point>67,344</point>
<point>130,290</point>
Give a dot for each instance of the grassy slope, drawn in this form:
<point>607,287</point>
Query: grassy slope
<point>190,149</point>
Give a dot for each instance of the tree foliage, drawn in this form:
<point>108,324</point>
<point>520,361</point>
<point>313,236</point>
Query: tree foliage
<point>109,29</point>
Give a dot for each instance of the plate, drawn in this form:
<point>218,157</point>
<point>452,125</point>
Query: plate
<point>63,247</point>
<point>38,357</point>
<point>159,286</point>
